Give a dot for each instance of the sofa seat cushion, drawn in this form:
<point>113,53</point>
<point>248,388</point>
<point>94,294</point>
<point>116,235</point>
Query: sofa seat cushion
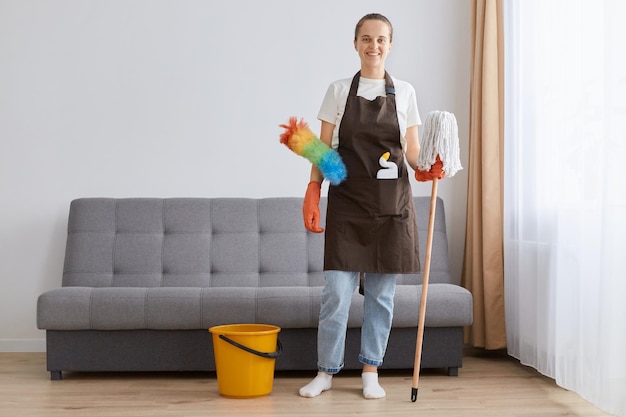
<point>175,308</point>
<point>447,305</point>
<point>184,308</point>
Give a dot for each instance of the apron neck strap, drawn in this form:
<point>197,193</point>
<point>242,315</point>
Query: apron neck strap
<point>389,87</point>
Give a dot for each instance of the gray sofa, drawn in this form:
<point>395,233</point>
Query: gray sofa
<point>144,279</point>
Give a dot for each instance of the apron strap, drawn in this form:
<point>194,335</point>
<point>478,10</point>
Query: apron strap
<point>354,87</point>
<point>389,87</point>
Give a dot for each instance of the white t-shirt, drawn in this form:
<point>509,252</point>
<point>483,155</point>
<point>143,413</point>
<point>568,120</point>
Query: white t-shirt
<point>334,103</point>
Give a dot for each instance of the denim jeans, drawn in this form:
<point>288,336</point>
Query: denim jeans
<point>377,317</point>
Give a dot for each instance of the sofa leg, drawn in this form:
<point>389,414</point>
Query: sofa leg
<point>453,371</point>
<point>56,375</point>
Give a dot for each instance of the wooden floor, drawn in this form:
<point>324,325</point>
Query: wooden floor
<point>489,384</point>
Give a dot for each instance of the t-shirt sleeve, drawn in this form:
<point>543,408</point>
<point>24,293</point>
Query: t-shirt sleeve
<point>328,110</point>
<point>412,114</point>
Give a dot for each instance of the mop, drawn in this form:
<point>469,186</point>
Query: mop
<point>440,141</point>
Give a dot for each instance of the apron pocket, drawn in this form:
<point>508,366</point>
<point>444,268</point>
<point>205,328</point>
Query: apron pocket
<point>392,197</point>
<point>355,197</point>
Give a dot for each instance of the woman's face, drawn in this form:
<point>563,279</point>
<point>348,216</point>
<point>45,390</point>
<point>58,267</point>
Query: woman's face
<point>373,43</point>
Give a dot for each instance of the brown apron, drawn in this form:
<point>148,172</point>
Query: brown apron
<point>370,222</point>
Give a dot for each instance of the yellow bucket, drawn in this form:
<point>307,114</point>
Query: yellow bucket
<point>245,355</point>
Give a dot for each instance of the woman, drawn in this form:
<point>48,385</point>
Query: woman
<point>372,121</point>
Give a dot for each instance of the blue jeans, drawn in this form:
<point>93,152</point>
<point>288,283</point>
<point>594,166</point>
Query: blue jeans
<point>377,317</point>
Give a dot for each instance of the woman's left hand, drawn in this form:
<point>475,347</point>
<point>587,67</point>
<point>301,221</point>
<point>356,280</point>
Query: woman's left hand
<point>435,171</point>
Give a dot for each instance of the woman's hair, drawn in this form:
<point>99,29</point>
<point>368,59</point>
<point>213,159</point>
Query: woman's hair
<point>373,16</point>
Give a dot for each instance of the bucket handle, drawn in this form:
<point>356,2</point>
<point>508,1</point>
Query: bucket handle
<point>268,355</point>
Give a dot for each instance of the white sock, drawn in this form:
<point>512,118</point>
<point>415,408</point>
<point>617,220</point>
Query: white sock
<point>371,387</point>
<point>322,382</point>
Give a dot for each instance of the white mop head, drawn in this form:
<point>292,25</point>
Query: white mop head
<point>440,137</point>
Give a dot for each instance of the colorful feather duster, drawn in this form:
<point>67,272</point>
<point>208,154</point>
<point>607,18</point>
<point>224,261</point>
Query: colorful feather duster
<point>299,138</point>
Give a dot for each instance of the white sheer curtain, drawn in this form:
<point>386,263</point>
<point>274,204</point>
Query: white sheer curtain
<point>565,193</point>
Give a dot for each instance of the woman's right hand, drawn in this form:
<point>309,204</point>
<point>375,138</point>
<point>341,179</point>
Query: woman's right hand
<point>311,207</point>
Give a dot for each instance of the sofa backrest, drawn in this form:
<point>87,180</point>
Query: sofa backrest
<point>209,242</point>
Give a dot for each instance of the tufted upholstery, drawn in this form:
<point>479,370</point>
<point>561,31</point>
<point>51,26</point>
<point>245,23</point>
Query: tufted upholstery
<point>189,243</point>
<point>206,243</point>
<point>195,263</point>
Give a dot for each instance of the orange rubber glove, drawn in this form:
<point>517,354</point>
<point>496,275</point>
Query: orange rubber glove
<point>311,207</point>
<point>435,171</point>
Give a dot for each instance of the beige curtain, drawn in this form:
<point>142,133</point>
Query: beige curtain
<point>483,265</point>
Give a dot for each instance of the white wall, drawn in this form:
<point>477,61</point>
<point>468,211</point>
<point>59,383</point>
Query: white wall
<point>157,98</point>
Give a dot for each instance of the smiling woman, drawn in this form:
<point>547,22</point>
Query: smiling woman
<point>370,223</point>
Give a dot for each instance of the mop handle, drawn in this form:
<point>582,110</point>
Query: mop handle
<point>422,312</point>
